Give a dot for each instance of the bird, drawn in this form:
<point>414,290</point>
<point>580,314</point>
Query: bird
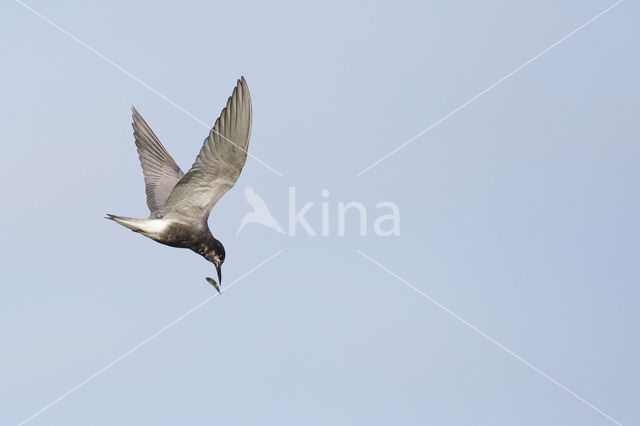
<point>260,213</point>
<point>180,203</point>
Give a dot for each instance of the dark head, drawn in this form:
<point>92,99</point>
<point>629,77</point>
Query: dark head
<point>215,254</point>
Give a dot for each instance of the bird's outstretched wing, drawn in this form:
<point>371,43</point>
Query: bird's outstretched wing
<point>161,173</point>
<point>219,162</point>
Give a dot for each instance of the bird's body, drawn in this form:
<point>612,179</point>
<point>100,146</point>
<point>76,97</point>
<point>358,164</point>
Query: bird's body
<point>167,231</point>
<point>180,203</point>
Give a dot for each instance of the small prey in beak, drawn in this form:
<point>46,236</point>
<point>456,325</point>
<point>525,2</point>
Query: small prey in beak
<point>213,283</point>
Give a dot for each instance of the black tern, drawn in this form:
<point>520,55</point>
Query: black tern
<point>180,203</point>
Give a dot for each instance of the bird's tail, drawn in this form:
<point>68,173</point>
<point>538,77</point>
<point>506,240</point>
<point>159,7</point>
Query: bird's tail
<point>128,222</point>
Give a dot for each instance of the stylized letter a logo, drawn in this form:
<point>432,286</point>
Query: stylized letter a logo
<point>260,214</point>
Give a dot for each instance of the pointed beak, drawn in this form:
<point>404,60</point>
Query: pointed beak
<point>219,269</point>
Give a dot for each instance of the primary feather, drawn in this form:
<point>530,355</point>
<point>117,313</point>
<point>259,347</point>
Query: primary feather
<point>219,162</point>
<point>161,173</point>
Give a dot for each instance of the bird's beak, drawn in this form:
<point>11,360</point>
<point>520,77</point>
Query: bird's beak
<point>219,269</point>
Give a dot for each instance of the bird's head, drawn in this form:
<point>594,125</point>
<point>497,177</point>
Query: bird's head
<point>215,255</point>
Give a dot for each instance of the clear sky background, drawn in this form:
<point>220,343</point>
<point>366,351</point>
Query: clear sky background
<point>519,213</point>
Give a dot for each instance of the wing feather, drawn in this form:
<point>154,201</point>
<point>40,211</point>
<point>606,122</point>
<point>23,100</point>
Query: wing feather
<point>161,173</point>
<point>219,162</point>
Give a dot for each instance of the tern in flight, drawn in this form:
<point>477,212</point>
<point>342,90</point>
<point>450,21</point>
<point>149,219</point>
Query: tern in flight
<point>180,203</point>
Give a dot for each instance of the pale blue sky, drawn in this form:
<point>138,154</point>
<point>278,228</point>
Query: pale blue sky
<point>519,214</point>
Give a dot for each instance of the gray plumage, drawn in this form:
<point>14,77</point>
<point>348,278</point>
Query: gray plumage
<point>219,162</point>
<point>161,173</point>
<point>180,203</point>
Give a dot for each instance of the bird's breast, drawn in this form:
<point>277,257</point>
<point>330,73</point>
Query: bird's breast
<point>177,234</point>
